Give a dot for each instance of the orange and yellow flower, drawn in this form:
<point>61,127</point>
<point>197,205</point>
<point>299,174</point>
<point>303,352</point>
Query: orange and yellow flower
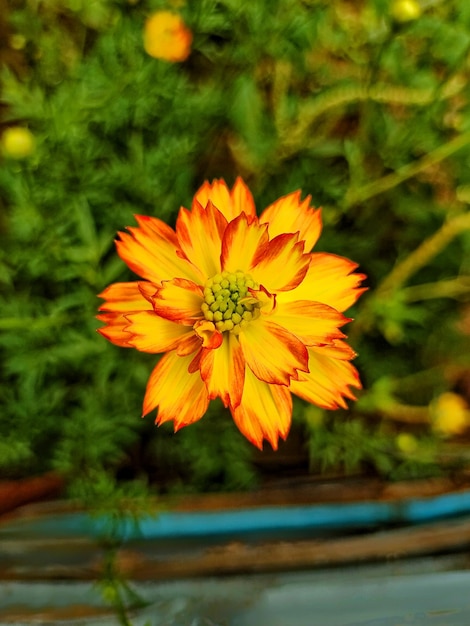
<point>167,37</point>
<point>241,307</point>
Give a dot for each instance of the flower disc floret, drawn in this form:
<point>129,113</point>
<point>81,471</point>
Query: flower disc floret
<point>228,303</point>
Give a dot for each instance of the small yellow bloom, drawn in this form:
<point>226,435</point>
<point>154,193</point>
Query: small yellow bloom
<point>241,307</point>
<point>17,142</point>
<point>450,414</point>
<point>17,42</point>
<point>405,10</point>
<point>167,37</point>
<point>406,443</point>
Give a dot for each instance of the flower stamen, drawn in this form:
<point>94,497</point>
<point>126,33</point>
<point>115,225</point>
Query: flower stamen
<point>228,302</point>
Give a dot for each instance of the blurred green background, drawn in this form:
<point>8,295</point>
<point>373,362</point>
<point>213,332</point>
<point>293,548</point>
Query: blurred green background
<point>362,104</point>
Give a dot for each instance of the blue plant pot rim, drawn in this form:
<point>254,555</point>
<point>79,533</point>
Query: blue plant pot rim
<point>63,520</point>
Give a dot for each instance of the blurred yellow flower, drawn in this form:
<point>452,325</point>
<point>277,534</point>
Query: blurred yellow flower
<point>17,42</point>
<point>167,37</point>
<point>406,443</point>
<point>405,10</point>
<point>242,308</point>
<point>450,414</point>
<point>17,142</point>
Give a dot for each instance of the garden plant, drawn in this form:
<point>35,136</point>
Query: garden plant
<point>112,109</point>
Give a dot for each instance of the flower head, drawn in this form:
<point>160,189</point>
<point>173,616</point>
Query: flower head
<point>17,142</point>
<point>407,443</point>
<point>450,414</point>
<point>241,307</point>
<point>167,37</point>
<point>405,10</point>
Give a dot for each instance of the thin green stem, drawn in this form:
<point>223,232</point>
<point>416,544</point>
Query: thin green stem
<point>115,587</point>
<point>423,254</point>
<point>281,82</point>
<point>356,196</point>
<point>417,259</point>
<point>452,288</point>
<point>404,413</point>
<point>430,377</point>
<point>293,135</point>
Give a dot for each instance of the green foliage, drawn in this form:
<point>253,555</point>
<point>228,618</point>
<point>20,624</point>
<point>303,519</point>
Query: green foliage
<point>367,114</point>
<point>351,447</point>
<point>210,456</point>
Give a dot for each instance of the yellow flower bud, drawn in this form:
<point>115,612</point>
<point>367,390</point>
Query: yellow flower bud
<point>450,414</point>
<point>406,443</point>
<point>167,37</point>
<point>405,10</point>
<point>17,42</point>
<point>17,142</point>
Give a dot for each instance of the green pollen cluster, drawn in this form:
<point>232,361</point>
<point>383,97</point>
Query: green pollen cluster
<point>224,304</point>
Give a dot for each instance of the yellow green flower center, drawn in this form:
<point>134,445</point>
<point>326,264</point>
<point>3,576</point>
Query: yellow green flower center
<point>228,303</point>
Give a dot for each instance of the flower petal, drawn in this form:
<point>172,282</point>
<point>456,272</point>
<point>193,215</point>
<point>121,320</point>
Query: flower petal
<point>273,354</point>
<point>148,332</point>
<point>122,298</point>
<point>200,234</point>
<point>114,329</point>
<point>243,242</point>
<point>151,251</point>
<point>242,200</point>
<point>181,397</point>
<point>312,322</point>
<point>262,297</point>
<point>328,280</point>
<point>291,215</point>
<point>210,337</point>
<point>328,382</point>
<point>179,300</point>
<point>265,411</point>
<point>188,344</point>
<point>339,350</point>
<point>229,203</point>
<point>223,371</point>
<point>281,265</point>
<point>216,192</point>
<point>126,297</point>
